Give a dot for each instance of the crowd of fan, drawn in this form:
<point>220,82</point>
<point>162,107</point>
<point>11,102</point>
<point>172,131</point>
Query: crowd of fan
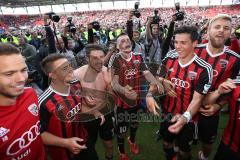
<point>110,18</point>
<point>39,42</point>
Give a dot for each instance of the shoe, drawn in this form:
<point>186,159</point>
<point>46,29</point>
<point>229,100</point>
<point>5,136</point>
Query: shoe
<point>123,156</point>
<point>133,147</point>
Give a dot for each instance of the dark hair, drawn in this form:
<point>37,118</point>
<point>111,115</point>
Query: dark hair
<point>8,49</point>
<point>93,47</point>
<point>191,30</point>
<point>46,63</point>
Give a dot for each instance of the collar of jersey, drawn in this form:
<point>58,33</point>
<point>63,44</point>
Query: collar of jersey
<point>187,64</point>
<point>128,58</point>
<point>61,94</point>
<point>215,55</point>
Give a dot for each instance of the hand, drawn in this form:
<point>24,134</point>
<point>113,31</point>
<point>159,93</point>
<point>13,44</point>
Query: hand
<point>174,18</point>
<point>97,115</point>
<point>226,86</point>
<point>130,93</point>
<point>90,100</point>
<point>90,26</point>
<point>73,146</point>
<point>169,87</point>
<point>152,105</point>
<point>102,120</point>
<point>210,110</point>
<point>180,121</point>
<point>130,15</point>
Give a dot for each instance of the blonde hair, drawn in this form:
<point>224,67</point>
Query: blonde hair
<point>220,16</point>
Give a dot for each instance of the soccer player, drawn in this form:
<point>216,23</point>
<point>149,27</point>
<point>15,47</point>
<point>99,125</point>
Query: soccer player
<point>95,80</point>
<point>225,64</point>
<point>59,106</point>
<point>192,78</point>
<point>230,143</point>
<point>19,111</point>
<point>128,67</point>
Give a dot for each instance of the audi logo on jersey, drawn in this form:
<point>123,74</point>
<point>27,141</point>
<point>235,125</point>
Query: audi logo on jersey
<point>180,83</point>
<point>24,141</point>
<point>130,73</point>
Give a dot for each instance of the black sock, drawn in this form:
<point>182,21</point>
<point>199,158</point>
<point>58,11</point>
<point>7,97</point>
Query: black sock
<point>133,132</point>
<point>169,153</point>
<point>120,142</point>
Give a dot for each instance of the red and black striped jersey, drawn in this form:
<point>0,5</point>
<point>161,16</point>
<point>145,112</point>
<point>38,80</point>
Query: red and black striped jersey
<point>196,75</point>
<point>130,72</point>
<point>231,133</point>
<point>57,113</point>
<point>225,64</point>
<point>20,129</point>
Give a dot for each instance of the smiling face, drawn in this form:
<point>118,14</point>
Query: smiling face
<point>219,31</point>
<point>184,45</point>
<point>96,60</point>
<point>13,75</point>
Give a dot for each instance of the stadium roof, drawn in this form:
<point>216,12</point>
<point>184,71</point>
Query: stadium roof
<point>25,3</point>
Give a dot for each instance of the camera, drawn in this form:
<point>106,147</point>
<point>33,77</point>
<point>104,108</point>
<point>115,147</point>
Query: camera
<point>96,25</point>
<point>156,18</point>
<point>71,27</point>
<point>179,14</point>
<point>53,16</point>
<point>136,12</point>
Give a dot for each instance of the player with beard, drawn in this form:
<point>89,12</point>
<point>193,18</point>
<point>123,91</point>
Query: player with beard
<point>128,68</point>
<point>225,64</point>
<point>95,81</point>
<point>192,79</point>
<point>19,111</point>
<point>61,130</point>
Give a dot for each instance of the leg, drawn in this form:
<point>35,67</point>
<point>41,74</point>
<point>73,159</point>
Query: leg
<point>106,134</point>
<point>207,127</point>
<point>168,140</point>
<point>184,141</point>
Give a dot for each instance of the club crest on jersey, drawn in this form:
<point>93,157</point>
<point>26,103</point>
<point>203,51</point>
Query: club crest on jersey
<point>136,62</point>
<point>223,63</point>
<point>192,75</point>
<point>33,109</point>
<point>3,131</point>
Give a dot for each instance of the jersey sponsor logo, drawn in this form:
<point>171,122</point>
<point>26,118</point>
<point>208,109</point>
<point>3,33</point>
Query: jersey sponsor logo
<point>33,109</point>
<point>24,141</point>
<point>223,63</point>
<point>130,73</point>
<point>215,73</point>
<point>206,88</point>
<point>180,83</point>
<point>192,75</point>
<point>74,111</point>
<point>25,154</point>
<point>3,131</point>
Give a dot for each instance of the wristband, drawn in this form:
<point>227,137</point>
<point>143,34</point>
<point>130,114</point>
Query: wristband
<point>187,115</point>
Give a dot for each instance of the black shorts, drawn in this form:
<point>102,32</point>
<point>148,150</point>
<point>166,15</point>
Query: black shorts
<point>106,130</point>
<point>207,128</point>
<point>126,117</point>
<point>225,153</point>
<point>183,139</point>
